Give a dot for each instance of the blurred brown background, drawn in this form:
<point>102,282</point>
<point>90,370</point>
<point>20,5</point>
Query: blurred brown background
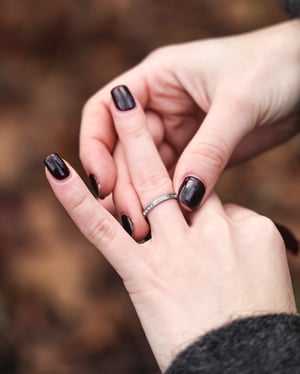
<point>63,310</point>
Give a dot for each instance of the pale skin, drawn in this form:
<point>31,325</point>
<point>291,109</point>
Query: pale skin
<point>209,104</point>
<point>199,270</point>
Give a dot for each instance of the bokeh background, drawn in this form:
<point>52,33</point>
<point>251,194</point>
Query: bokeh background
<point>63,309</point>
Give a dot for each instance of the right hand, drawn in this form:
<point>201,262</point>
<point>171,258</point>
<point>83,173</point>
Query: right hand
<point>208,103</point>
<point>226,263</point>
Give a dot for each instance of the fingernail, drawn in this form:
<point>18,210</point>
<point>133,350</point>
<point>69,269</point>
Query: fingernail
<point>289,239</point>
<point>127,224</point>
<point>95,185</point>
<point>122,98</point>
<point>56,166</point>
<point>148,236</point>
<point>191,192</point>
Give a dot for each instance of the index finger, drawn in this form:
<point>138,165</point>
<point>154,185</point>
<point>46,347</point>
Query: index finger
<point>97,133</point>
<point>147,170</point>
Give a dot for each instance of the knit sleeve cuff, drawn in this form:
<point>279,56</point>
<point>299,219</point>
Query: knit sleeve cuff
<point>265,344</point>
<point>292,7</point>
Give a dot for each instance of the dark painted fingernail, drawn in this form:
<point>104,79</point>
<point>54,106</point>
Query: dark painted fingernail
<point>122,98</point>
<point>127,224</point>
<point>95,185</point>
<point>289,239</point>
<point>56,166</point>
<point>148,236</point>
<point>191,192</point>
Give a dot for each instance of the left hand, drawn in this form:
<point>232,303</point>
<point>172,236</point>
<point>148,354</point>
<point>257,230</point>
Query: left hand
<point>209,103</point>
<point>198,271</point>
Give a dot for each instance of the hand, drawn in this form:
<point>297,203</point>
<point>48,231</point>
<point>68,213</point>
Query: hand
<point>197,272</point>
<point>208,103</point>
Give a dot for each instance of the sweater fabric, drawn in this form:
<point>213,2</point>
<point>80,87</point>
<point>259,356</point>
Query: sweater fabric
<point>292,7</point>
<point>255,345</point>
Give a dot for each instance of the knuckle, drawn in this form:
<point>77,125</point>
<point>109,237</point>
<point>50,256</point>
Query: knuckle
<point>133,132</point>
<point>217,237</point>
<point>263,223</point>
<point>87,107</point>
<point>237,213</point>
<point>241,101</point>
<point>213,153</point>
<point>101,231</point>
<point>153,184</point>
<point>91,110</point>
<point>162,59</point>
<point>76,201</point>
<point>97,227</point>
<point>160,52</point>
<point>238,101</point>
<point>265,228</point>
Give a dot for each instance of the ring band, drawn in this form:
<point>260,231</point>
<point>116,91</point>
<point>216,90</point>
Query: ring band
<point>157,201</point>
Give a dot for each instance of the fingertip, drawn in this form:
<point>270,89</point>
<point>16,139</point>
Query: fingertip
<point>122,98</point>
<point>100,168</point>
<point>129,211</point>
<point>56,167</point>
<point>95,186</point>
<point>191,192</point>
<point>135,226</point>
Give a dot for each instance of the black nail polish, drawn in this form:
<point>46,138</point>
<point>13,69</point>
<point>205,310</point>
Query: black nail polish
<point>148,236</point>
<point>122,98</point>
<point>191,192</point>
<point>56,166</point>
<point>289,239</point>
<point>127,224</point>
<point>95,185</point>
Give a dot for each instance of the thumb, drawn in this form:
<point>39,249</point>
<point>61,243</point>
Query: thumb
<point>207,154</point>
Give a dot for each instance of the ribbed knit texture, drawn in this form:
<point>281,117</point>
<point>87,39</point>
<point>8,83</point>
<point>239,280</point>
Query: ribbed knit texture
<point>257,345</point>
<point>292,7</point>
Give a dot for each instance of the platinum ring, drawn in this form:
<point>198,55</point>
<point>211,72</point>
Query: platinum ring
<point>157,201</point>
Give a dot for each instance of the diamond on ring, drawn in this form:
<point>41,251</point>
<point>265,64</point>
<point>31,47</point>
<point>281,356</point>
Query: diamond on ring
<point>157,201</point>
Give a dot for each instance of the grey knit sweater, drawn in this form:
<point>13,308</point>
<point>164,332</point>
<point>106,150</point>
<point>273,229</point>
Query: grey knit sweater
<point>256,345</point>
<point>292,7</point>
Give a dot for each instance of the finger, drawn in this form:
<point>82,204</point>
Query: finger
<point>127,201</point>
<point>239,213</point>
<point>97,141</point>
<point>290,241</point>
<point>211,208</point>
<point>109,205</point>
<point>147,171</point>
<point>97,133</point>
<point>92,219</point>
<point>207,154</point>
